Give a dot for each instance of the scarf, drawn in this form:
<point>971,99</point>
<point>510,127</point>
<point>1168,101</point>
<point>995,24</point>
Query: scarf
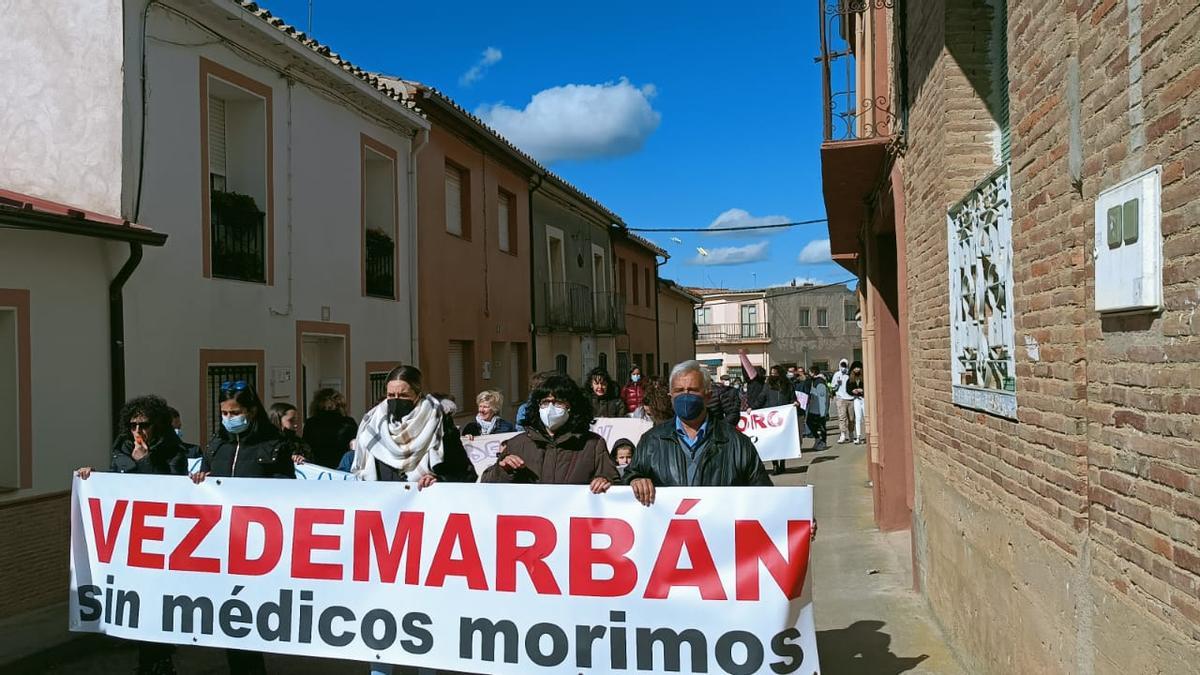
<point>412,444</point>
<point>486,426</point>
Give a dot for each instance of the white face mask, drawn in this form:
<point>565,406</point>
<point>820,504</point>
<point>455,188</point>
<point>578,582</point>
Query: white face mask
<point>553,416</point>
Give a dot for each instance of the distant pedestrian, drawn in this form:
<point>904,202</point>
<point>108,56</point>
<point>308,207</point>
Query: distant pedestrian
<point>857,388</point>
<point>193,450</point>
<point>409,437</point>
<point>328,429</point>
<point>778,393</point>
<point>286,418</point>
<point>817,413</point>
<point>603,394</point>
<point>844,401</point>
<point>535,381</point>
<point>488,404</point>
<point>756,382</point>
<point>557,447</point>
<point>690,449</point>
<point>633,391</point>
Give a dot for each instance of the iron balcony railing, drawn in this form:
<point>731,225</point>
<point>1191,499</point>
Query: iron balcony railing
<point>733,332</point>
<point>576,307</point>
<point>380,265</point>
<point>238,237</point>
<point>856,97</point>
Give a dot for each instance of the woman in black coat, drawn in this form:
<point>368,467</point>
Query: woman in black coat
<point>329,430</point>
<point>147,444</point>
<point>602,392</point>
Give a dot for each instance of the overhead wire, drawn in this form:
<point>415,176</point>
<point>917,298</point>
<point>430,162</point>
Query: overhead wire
<point>718,230</point>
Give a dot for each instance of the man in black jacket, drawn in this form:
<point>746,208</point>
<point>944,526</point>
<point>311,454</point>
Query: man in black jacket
<point>691,449</point>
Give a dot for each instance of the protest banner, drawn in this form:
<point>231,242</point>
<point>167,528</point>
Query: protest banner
<point>775,431</point>
<point>478,578</point>
<point>483,450</point>
<point>802,399</point>
<point>304,471</point>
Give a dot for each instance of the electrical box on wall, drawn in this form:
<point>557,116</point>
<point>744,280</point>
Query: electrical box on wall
<point>1129,245</point>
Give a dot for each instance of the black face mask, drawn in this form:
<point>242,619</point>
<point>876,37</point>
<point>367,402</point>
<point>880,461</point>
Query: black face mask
<point>399,408</point>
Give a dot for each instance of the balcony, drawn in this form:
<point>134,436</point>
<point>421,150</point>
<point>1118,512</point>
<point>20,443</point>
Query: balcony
<point>609,313</point>
<point>380,265</point>
<point>726,333</point>
<point>858,112</point>
<point>577,308</point>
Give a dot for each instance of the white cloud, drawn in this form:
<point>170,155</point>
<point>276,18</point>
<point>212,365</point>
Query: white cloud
<point>733,255</point>
<point>490,57</point>
<point>742,218</point>
<point>578,121</point>
<point>816,251</point>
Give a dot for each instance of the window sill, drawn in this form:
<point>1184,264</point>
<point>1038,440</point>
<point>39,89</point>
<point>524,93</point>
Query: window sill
<point>459,236</point>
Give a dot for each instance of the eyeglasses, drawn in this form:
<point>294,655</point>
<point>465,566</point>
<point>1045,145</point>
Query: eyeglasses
<point>135,426</point>
<point>237,385</point>
<point>561,405</point>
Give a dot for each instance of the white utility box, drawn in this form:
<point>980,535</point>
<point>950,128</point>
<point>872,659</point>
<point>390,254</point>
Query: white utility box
<point>1129,245</point>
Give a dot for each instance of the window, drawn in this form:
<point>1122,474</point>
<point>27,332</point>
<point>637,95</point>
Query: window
<point>749,320</point>
<point>850,310</point>
<point>602,305</point>
<point>506,214</point>
<point>822,317</point>
<point>377,383</point>
<point>634,267</point>
<point>379,209</point>
<point>821,366</point>
<point>16,428</point>
<point>558,305</point>
<point>218,375</point>
<point>647,287</point>
<point>604,361</point>
<point>458,360</point>
<point>703,316</point>
<point>457,204</point>
<point>560,364</point>
<point>624,287</point>
<point>622,367</point>
<point>982,334</point>
<point>637,360</point>
<point>236,142</point>
<point>650,363</point>
<point>857,356</point>
<point>804,317</point>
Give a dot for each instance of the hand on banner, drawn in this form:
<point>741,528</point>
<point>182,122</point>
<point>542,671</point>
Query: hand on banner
<point>83,472</point>
<point>511,463</point>
<point>198,477</point>
<point>297,459</point>
<point>600,485</point>
<point>425,481</point>
<point>643,489</point>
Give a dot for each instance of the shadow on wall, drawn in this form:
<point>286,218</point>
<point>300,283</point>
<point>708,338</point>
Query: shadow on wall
<point>862,647</point>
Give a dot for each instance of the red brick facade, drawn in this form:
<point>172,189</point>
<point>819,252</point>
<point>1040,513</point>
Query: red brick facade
<point>1068,539</point>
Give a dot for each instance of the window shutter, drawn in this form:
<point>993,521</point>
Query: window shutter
<point>502,217</point>
<point>454,200</point>
<point>217,162</point>
<point>455,358</point>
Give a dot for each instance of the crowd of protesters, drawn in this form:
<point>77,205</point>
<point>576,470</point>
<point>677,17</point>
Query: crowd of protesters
<point>410,437</point>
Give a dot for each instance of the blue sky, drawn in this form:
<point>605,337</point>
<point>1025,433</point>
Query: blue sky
<point>670,113</point>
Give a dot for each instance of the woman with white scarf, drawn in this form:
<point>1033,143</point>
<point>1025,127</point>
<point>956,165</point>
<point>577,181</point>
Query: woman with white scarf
<point>488,420</point>
<point>409,437</point>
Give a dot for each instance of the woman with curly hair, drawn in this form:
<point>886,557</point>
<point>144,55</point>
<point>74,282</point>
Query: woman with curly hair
<point>656,402</point>
<point>602,392</point>
<point>557,447</point>
<point>148,444</point>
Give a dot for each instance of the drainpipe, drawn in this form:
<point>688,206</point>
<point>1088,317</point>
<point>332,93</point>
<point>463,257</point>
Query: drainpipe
<point>420,139</point>
<point>116,332</point>
<point>532,283</point>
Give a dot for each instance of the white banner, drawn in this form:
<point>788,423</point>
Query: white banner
<point>775,431</point>
<point>479,578</point>
<point>483,450</point>
<point>306,471</point>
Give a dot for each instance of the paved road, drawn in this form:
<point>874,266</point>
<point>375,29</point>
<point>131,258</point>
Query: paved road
<point>869,620</point>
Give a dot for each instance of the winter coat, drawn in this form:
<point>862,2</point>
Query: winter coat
<point>260,452</point>
<point>728,458</point>
<point>455,466</point>
<point>756,391</point>
<point>632,395</point>
<point>725,404</point>
<point>167,456</point>
<point>818,397</point>
<point>777,397</point>
<point>801,386</point>
<point>607,407</point>
<point>502,426</point>
<point>855,384</point>
<point>329,433</point>
<point>566,459</point>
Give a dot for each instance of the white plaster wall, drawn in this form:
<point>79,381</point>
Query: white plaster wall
<point>173,311</point>
<point>68,317</point>
<point>60,101</point>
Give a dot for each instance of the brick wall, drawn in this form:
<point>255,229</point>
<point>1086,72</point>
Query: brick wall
<point>35,536</point>
<point>1076,526</point>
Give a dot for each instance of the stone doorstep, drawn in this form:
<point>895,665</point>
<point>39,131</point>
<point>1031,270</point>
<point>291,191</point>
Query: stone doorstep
<point>34,631</point>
